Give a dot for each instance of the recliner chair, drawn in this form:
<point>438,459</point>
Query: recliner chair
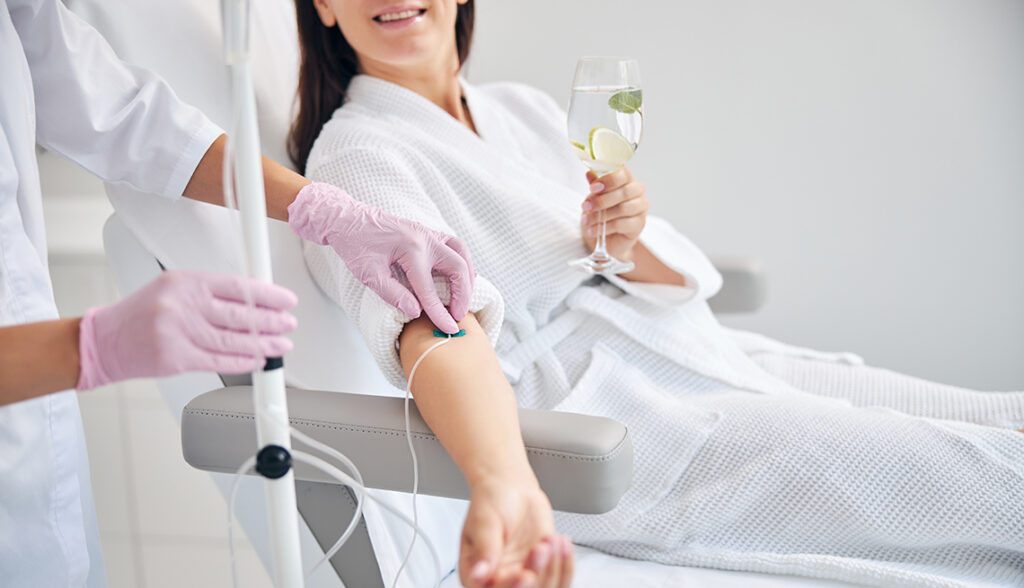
<point>583,462</point>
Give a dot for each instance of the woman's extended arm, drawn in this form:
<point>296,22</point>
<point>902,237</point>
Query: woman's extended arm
<point>624,203</point>
<point>462,394</point>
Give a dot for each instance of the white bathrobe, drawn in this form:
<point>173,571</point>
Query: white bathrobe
<point>735,467</point>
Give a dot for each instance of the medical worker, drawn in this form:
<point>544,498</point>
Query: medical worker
<point>62,87</point>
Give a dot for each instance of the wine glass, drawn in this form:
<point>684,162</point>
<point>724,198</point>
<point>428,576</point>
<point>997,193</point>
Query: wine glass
<point>605,123</point>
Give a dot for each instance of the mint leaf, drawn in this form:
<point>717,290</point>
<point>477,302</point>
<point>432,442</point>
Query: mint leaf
<point>626,101</point>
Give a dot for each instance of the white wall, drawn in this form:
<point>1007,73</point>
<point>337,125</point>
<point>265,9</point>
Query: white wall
<point>871,152</point>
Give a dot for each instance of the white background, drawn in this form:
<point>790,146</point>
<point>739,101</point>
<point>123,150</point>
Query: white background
<point>870,152</point>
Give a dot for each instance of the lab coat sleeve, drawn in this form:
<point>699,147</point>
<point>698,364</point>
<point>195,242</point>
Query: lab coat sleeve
<point>122,123</point>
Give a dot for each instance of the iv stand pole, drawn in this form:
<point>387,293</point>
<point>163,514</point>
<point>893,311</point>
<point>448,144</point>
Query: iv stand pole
<point>273,438</point>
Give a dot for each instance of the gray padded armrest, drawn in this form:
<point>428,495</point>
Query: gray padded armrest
<point>743,284</point>
<point>583,463</point>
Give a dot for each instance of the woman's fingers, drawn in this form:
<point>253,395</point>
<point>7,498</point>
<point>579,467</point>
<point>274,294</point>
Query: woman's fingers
<point>609,182</point>
<point>552,561</point>
<point>634,207</point>
<point>481,549</point>
<point>630,227</point>
<point>568,563</point>
<point>524,579</point>
<point>611,197</point>
<point>613,180</point>
<point>479,571</point>
<point>550,574</point>
<point>529,579</point>
<point>539,561</point>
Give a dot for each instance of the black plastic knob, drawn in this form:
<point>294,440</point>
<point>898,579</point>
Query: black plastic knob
<point>273,461</point>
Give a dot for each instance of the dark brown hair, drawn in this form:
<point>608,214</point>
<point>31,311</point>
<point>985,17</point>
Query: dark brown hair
<point>328,65</point>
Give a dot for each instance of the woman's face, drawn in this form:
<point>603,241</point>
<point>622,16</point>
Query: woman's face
<point>395,32</point>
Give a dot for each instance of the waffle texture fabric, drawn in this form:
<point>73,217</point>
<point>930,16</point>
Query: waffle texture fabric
<point>749,454</point>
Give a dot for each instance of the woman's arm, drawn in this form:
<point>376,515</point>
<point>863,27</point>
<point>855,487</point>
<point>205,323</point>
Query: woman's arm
<point>462,394</point>
<point>624,203</point>
<point>466,400</point>
<point>650,269</point>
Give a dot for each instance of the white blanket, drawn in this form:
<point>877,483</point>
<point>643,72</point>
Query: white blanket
<point>594,569</point>
<point>735,468</point>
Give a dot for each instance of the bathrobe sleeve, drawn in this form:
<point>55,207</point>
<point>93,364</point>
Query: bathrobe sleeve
<point>398,185</point>
<point>680,254</point>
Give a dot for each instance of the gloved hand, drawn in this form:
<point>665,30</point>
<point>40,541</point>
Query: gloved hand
<point>184,321</point>
<point>370,241</point>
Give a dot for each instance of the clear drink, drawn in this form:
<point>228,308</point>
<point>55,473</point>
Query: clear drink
<point>605,124</point>
<point>606,119</point>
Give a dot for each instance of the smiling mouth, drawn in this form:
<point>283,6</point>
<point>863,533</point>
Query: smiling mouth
<point>397,16</point>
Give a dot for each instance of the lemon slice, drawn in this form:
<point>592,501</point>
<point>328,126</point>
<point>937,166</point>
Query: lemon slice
<point>580,150</point>
<point>609,146</point>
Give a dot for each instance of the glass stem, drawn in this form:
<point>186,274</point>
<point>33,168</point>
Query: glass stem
<point>600,252</point>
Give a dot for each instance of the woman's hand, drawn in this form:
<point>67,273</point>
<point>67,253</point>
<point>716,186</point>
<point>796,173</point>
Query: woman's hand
<point>624,202</point>
<point>509,538</point>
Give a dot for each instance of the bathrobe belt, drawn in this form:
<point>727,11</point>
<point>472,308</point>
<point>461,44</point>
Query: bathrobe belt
<point>702,355</point>
<point>539,342</point>
<point>584,303</point>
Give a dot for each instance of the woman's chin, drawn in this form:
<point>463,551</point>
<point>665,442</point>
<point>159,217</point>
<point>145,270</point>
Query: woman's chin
<point>409,53</point>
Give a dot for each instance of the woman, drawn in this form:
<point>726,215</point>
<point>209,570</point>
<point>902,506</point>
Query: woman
<point>825,468</point>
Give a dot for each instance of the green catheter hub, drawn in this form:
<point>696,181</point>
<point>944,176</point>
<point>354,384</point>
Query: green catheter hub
<point>440,333</point>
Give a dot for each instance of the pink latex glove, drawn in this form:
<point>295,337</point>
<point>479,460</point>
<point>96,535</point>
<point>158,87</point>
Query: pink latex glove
<point>370,241</point>
<point>184,321</point>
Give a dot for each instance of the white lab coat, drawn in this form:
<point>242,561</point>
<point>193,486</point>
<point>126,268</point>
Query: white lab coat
<point>62,86</point>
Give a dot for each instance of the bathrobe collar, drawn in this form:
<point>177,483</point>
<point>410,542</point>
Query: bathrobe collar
<point>386,99</point>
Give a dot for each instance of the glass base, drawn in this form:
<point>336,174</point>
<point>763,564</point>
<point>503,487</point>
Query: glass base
<point>604,265</point>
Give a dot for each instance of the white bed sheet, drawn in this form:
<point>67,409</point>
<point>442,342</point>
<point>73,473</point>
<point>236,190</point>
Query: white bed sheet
<point>596,569</point>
